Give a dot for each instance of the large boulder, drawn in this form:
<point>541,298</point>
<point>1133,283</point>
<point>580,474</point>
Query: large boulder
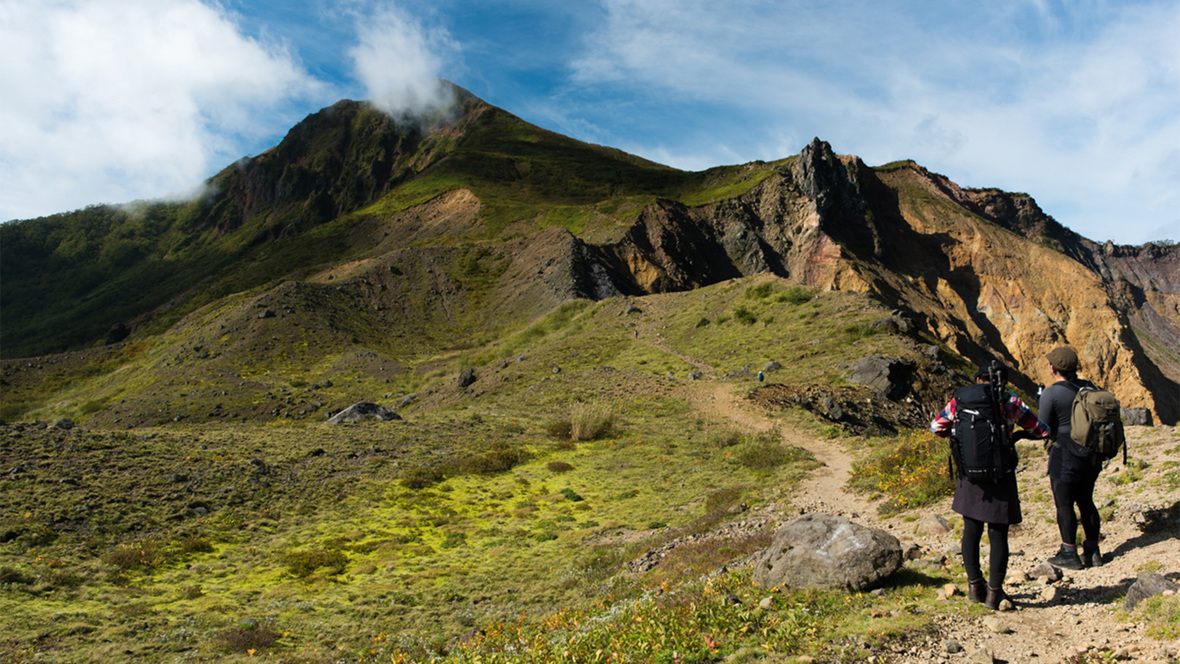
<point>827,551</point>
<point>890,376</point>
<point>359,411</point>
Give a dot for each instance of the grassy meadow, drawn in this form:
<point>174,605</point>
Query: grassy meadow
<point>493,523</point>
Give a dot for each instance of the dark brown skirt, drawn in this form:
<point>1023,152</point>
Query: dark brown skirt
<point>990,502</point>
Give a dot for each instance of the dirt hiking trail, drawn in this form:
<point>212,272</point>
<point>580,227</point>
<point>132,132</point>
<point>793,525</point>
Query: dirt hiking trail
<point>1075,620</point>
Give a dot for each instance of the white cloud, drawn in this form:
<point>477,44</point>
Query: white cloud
<point>400,62</point>
<point>112,100</point>
<point>1073,104</point>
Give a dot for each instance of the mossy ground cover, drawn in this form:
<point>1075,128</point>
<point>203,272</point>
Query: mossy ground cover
<point>305,543</point>
<point>312,532</point>
<point>511,506</point>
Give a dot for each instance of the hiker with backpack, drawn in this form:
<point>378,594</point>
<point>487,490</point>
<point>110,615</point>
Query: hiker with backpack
<point>979,420</point>
<point>1086,431</point>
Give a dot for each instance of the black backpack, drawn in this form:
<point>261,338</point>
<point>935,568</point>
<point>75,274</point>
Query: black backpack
<point>979,439</point>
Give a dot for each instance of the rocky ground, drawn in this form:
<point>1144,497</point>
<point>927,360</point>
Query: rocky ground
<point>1074,619</point>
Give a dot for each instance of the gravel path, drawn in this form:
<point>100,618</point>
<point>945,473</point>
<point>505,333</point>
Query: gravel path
<point>1075,619</point>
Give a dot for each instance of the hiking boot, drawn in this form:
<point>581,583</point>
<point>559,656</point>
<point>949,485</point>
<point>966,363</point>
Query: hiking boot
<point>1091,556</point>
<point>994,597</point>
<point>977,590</point>
<point>1067,557</point>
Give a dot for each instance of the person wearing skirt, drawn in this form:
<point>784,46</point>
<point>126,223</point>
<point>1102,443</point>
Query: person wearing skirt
<point>994,504</point>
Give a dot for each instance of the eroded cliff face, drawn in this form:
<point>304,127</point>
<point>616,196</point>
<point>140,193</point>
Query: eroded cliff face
<point>987,273</point>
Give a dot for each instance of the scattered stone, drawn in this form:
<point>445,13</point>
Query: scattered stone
<point>950,590</point>
<point>933,524</point>
<point>768,603</point>
<point>994,624</point>
<point>1049,595</point>
<point>831,409</point>
<point>983,655</point>
<point>1045,572</point>
<point>1148,584</point>
<point>772,366</point>
<point>632,309</point>
<point>363,410</point>
<point>64,423</point>
<point>951,646</point>
<point>827,551</point>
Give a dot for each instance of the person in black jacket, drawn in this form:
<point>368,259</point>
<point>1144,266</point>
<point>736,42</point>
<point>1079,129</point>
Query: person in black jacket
<point>995,502</point>
<point>1073,470</point>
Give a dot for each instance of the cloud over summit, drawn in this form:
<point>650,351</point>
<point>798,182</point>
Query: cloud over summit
<point>401,64</point>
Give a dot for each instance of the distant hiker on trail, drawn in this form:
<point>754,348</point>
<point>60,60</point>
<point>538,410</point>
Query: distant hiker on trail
<point>979,421</point>
<point>1073,469</point>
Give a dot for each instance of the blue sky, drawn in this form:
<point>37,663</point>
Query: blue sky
<point>1075,102</point>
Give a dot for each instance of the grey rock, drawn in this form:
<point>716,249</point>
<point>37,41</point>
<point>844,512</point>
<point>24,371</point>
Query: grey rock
<point>772,366</point>
<point>996,625</point>
<point>1136,416</point>
<point>1148,584</point>
<point>983,656</point>
<point>831,409</point>
<point>827,551</point>
<point>1046,572</point>
<point>467,377</point>
<point>888,375</point>
<point>933,524</point>
<point>363,410</point>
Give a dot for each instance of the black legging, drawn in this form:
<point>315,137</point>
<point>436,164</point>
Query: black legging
<point>1081,493</point>
<point>997,534</point>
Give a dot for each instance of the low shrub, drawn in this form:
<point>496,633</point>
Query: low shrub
<point>559,429</point>
<point>745,316</point>
<point>761,291</point>
<point>12,575</point>
<point>248,638</point>
<point>421,477</point>
<point>143,555</point>
<point>796,295</point>
<point>499,459</point>
<point>559,467</point>
<point>590,421</point>
<point>302,564</point>
<point>195,544</point>
<point>911,470</point>
<point>765,453</point>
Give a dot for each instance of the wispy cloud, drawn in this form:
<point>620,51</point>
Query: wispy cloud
<point>401,62</point>
<point>1070,103</point>
<point>112,100</point>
